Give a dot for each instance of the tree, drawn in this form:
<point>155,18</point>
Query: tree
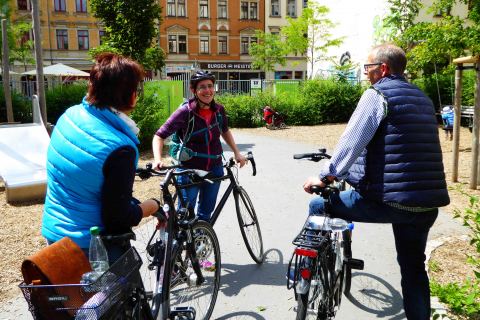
<point>268,51</point>
<point>130,26</point>
<point>401,17</point>
<point>23,47</point>
<point>310,34</point>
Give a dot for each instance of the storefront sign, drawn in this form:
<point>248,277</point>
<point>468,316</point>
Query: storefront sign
<point>228,66</point>
<point>178,68</point>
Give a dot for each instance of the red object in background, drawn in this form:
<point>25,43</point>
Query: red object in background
<point>268,114</point>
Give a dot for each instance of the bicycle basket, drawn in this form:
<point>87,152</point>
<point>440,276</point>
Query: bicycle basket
<point>97,300</point>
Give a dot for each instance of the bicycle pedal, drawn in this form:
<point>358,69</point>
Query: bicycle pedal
<point>356,264</point>
<point>183,313</point>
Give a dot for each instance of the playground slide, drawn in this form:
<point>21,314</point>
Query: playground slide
<point>23,157</point>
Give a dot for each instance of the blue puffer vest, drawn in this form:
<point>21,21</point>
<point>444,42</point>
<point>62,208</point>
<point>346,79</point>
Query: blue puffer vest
<point>403,161</point>
<point>83,138</point>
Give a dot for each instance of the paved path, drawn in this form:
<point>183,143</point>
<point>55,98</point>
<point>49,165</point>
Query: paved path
<point>249,291</point>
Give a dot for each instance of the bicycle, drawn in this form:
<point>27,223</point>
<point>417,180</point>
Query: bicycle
<point>183,263</point>
<point>320,269</point>
<point>246,215</point>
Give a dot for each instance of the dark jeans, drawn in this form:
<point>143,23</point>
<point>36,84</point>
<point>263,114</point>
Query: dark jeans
<point>410,231</point>
<point>205,192</point>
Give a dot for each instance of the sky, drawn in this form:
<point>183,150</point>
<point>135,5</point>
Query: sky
<point>355,22</point>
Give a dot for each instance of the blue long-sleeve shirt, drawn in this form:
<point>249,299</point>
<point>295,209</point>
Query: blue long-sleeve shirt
<point>364,122</point>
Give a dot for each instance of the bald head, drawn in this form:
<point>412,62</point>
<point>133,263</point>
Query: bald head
<point>391,55</point>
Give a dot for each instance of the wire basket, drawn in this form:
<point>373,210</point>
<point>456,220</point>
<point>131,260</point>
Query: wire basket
<point>97,300</point>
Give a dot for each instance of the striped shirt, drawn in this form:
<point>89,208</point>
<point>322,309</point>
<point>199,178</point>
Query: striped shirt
<point>364,122</point>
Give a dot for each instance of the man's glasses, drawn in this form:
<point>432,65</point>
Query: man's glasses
<point>205,87</point>
<point>367,66</point>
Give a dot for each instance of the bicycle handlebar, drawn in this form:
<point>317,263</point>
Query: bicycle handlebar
<point>315,156</point>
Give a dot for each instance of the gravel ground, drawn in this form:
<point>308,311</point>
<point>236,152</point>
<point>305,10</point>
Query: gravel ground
<point>20,232</point>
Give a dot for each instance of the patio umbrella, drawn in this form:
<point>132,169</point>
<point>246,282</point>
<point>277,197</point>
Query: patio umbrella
<point>9,72</point>
<point>59,70</point>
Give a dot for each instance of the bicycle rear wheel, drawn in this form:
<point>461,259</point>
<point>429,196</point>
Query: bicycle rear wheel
<point>249,226</point>
<point>184,290</point>
<point>314,304</point>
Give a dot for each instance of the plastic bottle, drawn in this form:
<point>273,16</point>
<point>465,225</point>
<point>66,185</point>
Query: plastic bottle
<point>98,258</point>
<point>97,253</point>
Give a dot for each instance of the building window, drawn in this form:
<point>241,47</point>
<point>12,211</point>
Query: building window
<point>172,44</point>
<point>82,39</point>
<point>81,5</point>
<point>25,37</point>
<point>101,36</point>
<point>181,8</point>
<point>203,9</point>
<point>275,8</point>
<point>62,39</point>
<point>171,8</point>
<point>222,9</point>
<point>244,10</point>
<point>59,5</point>
<point>249,10</point>
<point>222,44</point>
<point>204,44</point>
<point>177,43</point>
<point>305,4</point>
<point>22,5</point>
<point>246,41</point>
<point>443,12</point>
<point>291,8</point>
<point>253,11</point>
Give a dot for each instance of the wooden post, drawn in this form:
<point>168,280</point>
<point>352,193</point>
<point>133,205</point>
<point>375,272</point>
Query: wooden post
<point>39,60</point>
<point>476,128</point>
<point>6,72</point>
<point>456,122</point>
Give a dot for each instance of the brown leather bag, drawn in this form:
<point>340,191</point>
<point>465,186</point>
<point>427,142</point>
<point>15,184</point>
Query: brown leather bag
<point>63,262</point>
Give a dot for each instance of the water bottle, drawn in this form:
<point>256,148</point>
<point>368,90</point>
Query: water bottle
<point>98,258</point>
<point>337,224</point>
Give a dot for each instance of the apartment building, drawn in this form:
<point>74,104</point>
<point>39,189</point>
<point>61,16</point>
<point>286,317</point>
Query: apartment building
<point>67,27</point>
<point>211,34</point>
<point>276,13</point>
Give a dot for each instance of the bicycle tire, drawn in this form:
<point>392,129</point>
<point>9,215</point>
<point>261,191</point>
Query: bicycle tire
<point>147,233</point>
<point>313,305</point>
<point>185,294</point>
<point>249,226</point>
<point>347,253</point>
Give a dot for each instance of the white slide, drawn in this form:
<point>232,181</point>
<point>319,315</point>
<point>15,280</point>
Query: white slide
<point>23,158</point>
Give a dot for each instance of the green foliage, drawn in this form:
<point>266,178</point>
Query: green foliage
<point>267,52</point>
<point>446,87</point>
<point>22,108</point>
<point>314,102</point>
<point>154,59</point>
<point>130,26</point>
<point>310,33</point>
<point>464,298</point>
<point>22,50</point>
<point>400,18</point>
<point>60,98</point>
<point>460,298</point>
<point>149,114</point>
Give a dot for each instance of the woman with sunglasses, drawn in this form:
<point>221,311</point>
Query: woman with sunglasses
<point>196,127</point>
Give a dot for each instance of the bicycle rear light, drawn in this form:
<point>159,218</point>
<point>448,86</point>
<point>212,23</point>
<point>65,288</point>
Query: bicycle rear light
<point>305,273</point>
<point>306,252</point>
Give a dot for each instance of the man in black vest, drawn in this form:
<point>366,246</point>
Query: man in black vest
<point>390,153</point>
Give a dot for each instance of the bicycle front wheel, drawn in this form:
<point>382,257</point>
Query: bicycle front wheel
<point>185,291</point>
<point>249,226</point>
<point>149,247</point>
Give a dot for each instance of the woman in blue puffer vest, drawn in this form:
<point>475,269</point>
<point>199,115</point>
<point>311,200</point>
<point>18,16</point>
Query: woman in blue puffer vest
<point>92,157</point>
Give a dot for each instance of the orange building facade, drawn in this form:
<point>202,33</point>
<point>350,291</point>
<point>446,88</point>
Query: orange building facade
<point>211,34</point>
<point>67,28</point>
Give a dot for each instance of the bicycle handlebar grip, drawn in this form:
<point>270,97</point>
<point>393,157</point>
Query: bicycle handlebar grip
<point>303,155</point>
<point>252,160</point>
